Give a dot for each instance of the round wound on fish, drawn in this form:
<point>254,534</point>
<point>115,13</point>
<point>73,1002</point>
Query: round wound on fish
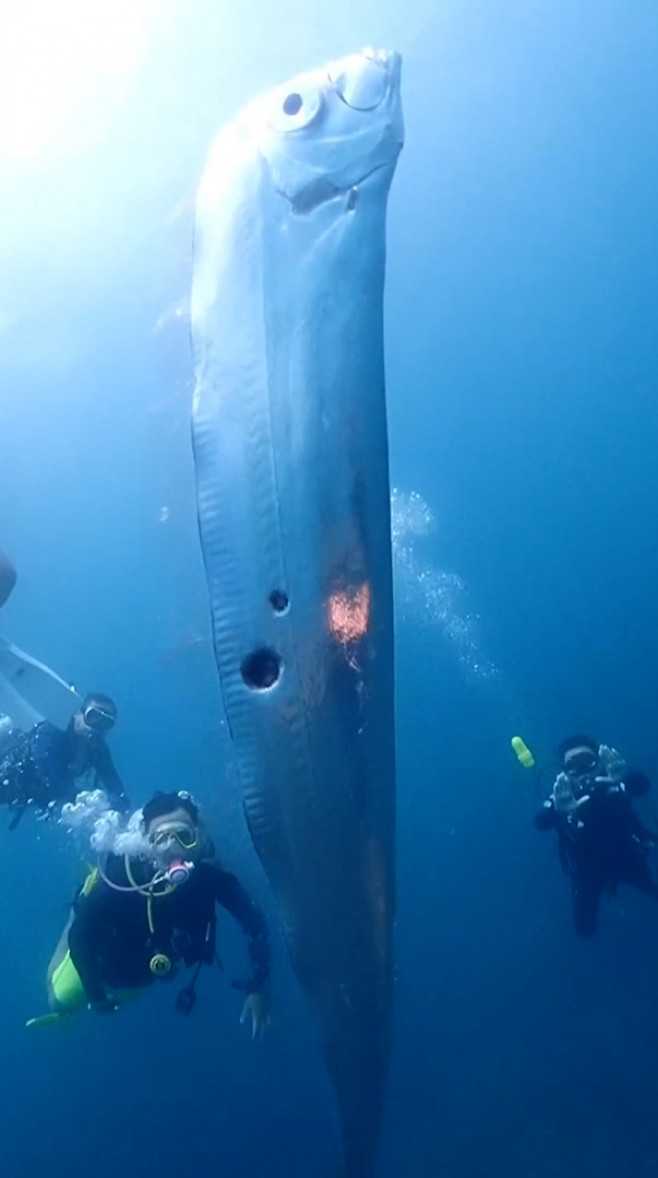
<point>261,669</point>
<point>279,601</point>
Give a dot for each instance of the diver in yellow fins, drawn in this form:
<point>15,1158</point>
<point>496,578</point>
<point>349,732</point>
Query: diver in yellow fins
<point>139,917</point>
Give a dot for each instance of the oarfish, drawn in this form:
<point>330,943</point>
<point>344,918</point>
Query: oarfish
<point>290,446</point>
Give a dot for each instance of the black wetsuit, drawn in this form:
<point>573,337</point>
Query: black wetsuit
<point>602,844</point>
<point>42,766</point>
<point>112,943</point>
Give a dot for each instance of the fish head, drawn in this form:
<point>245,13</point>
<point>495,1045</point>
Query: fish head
<point>327,130</point>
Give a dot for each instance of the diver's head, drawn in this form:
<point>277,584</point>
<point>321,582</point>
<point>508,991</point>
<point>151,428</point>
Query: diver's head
<point>96,717</point>
<point>579,756</point>
<point>173,828</point>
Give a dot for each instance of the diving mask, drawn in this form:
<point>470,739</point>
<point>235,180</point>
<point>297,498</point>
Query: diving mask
<point>98,719</point>
<point>170,838</point>
<point>582,764</point>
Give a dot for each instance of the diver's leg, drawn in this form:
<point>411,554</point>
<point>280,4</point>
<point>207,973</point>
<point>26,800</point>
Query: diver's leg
<point>637,872</point>
<point>60,985</point>
<point>586,890</point>
<point>61,950</point>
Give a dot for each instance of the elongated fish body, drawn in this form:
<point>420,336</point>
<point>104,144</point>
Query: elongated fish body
<point>290,444</point>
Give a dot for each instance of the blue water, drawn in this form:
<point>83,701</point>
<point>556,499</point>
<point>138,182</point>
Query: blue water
<point>523,375</point>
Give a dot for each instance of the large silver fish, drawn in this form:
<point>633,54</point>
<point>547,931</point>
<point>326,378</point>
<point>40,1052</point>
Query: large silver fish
<point>290,444</point>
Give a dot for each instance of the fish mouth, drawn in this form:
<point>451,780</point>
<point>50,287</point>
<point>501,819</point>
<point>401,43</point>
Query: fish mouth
<point>363,80</point>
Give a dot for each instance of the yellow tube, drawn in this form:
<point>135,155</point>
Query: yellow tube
<point>523,754</point>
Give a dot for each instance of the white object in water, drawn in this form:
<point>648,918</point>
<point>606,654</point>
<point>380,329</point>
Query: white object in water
<point>293,497</point>
<point>31,692</point>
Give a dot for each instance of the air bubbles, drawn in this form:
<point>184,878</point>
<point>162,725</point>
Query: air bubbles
<point>175,315</point>
<point>410,515</point>
<point>429,595</point>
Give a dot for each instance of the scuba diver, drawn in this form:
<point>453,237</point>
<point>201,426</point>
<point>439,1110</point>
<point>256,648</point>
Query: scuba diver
<point>7,577</point>
<point>140,915</point>
<point>601,841</point>
<point>44,767</point>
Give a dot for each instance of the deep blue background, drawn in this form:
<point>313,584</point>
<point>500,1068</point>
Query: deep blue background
<point>523,375</point>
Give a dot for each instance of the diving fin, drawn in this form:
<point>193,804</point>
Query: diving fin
<point>30,691</point>
<point>54,1019</point>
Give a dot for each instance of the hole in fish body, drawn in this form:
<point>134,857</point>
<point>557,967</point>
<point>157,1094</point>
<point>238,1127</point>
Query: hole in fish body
<point>279,601</point>
<point>261,669</point>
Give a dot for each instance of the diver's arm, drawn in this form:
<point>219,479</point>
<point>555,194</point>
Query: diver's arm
<point>230,893</point>
<point>110,781</point>
<point>84,937</point>
<point>7,577</point>
<point>636,783</point>
<point>648,838</point>
<point>546,818</point>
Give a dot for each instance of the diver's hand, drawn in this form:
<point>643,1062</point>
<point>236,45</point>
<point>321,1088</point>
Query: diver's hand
<point>256,1008</point>
<point>104,1005</point>
<point>564,799</point>
<point>613,765</point>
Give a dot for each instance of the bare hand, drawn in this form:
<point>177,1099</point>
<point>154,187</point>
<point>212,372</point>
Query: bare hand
<point>564,799</point>
<point>256,1008</point>
<point>613,764</point>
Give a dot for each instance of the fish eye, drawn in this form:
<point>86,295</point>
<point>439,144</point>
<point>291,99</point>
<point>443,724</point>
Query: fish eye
<point>293,104</point>
<point>295,109</point>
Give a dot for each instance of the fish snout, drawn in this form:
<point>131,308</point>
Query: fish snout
<point>363,81</point>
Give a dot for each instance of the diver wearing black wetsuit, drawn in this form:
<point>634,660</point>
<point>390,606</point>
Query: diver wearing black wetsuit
<point>43,767</point>
<point>136,918</point>
<point>116,936</point>
<point>601,841</point>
